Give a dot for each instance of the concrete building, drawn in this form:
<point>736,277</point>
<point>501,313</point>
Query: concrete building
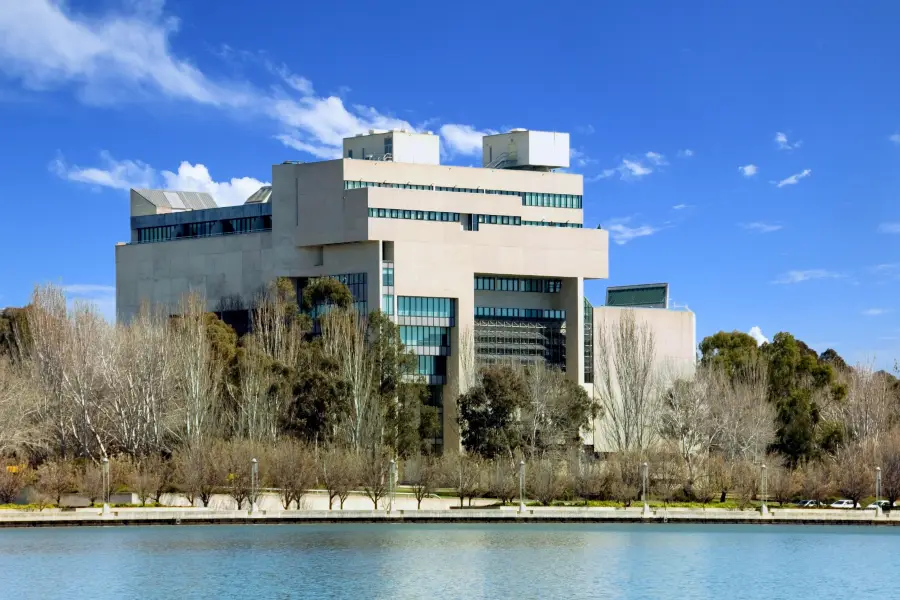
<point>474,264</point>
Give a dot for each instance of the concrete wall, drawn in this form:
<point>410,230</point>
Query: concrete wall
<point>216,267</point>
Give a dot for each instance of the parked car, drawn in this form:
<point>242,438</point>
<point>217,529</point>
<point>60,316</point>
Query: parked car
<point>844,504</point>
<point>809,504</point>
<point>884,504</point>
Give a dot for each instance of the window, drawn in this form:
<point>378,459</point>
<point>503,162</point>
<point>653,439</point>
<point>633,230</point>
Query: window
<point>387,304</point>
<point>508,284</point>
<point>417,306</point>
<point>389,145</point>
<point>415,335</point>
<point>528,198</point>
<point>387,275</point>
<point>349,153</point>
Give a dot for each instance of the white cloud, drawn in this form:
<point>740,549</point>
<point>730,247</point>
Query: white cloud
<point>757,334</point>
<point>748,170</point>
<point>580,158</point>
<point>656,158</point>
<point>761,227</point>
<point>889,228</point>
<point>783,143</point>
<point>604,174</point>
<point>585,129</point>
<point>679,207</point>
<point>895,138</point>
<point>120,175</point>
<point>463,139</point>
<point>196,178</point>
<point>793,179</point>
<point>633,169</point>
<point>876,312</point>
<point>685,153</point>
<point>126,174</point>
<point>799,276</point>
<point>622,233</point>
<point>103,297</point>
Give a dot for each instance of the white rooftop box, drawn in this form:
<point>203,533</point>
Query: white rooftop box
<point>525,149</point>
<point>398,146</point>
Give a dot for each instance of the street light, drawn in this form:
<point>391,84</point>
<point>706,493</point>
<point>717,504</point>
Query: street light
<point>391,484</point>
<point>105,477</point>
<point>522,486</point>
<point>645,477</point>
<point>764,490</point>
<point>877,491</point>
<point>254,483</point>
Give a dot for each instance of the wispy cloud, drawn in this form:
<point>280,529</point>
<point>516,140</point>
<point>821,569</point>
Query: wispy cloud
<point>579,158</point>
<point>656,158</point>
<point>685,153</point>
<point>875,312</point>
<point>889,227</point>
<point>895,138</point>
<point>799,276</point>
<point>748,170</point>
<point>126,56</point>
<point>585,129</point>
<point>793,179</point>
<point>757,334</point>
<point>622,233</point>
<point>761,227</point>
<point>781,140</point>
<point>126,174</point>
<point>680,206</point>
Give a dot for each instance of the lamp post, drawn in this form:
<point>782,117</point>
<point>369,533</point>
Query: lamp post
<point>877,491</point>
<point>522,486</point>
<point>254,484</point>
<point>392,473</point>
<point>104,463</point>
<point>764,490</point>
<point>645,479</point>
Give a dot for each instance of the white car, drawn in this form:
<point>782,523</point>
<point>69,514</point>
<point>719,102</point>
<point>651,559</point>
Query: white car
<point>884,504</point>
<point>844,504</point>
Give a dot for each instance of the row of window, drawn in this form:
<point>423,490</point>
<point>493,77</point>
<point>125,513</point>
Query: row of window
<point>165,233</point>
<point>416,335</point>
<point>355,282</point>
<point>417,215</point>
<point>416,306</point>
<point>508,284</point>
<point>551,200</point>
<point>528,198</point>
<point>521,313</point>
<point>552,224</point>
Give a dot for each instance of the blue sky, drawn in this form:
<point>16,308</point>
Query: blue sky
<point>746,154</point>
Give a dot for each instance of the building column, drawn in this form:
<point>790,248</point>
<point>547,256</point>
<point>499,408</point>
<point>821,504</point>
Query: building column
<point>573,303</point>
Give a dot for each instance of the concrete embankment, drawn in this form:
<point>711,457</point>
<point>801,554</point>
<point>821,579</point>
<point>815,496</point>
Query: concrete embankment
<point>199,516</point>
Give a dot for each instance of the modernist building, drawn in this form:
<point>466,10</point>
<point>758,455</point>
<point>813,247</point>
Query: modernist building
<point>474,264</point>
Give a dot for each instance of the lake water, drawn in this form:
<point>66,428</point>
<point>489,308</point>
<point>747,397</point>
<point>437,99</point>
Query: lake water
<point>451,561</point>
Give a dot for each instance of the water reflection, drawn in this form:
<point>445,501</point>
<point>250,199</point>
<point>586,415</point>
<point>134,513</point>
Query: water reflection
<point>450,561</point>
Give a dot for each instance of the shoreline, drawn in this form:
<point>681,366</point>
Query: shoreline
<point>125,517</point>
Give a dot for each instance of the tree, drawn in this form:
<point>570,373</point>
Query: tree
<point>326,291</point>
<point>292,470</point>
<point>21,427</point>
<point>784,484</point>
<point>13,479</point>
<point>422,474</point>
<point>150,478</point>
<point>626,380</point>
<point>54,479</point>
<point>196,473</point>
<point>546,480</point>
<point>854,473</point>
<point>503,478</point>
<point>742,418</point>
<point>463,473</point>
<point>729,352</point>
<point>870,405</point>
<point>816,482</point>
<point>890,466</point>
<point>488,412</point>
<point>688,422</point>
<point>339,471</point>
<point>375,474</point>
<point>623,477</point>
<point>554,410</point>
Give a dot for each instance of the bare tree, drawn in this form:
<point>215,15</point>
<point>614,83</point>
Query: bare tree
<point>745,478</point>
<point>503,478</point>
<point>854,473</point>
<point>623,477</point>
<point>344,340</point>
<point>870,406</point>
<point>743,416</point>
<point>150,477</point>
<point>196,473</point>
<point>375,475</point>
<point>233,461</point>
<point>292,471</point>
<point>687,421</point>
<point>257,407</point>
<point>547,479</point>
<point>197,374</point>
<point>626,381</point>
<point>54,479</point>
<point>421,474</point>
<point>339,471</point>
<point>588,476</point>
<point>21,428</point>
<point>890,466</point>
<point>13,479</point>
<point>784,484</point>
<point>816,482</point>
<point>463,472</point>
